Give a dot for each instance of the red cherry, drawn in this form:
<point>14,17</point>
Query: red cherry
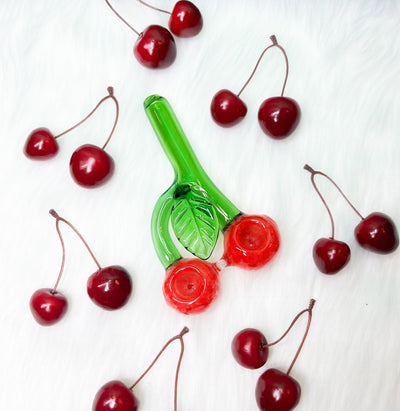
<point>377,232</point>
<point>91,166</point>
<point>330,255</point>
<point>249,348</point>
<point>115,396</point>
<point>48,306</point>
<point>227,109</point>
<point>185,20</point>
<point>110,287</point>
<point>155,47</point>
<point>251,241</point>
<point>279,116</point>
<point>41,145</point>
<point>277,391</point>
<point>191,285</point>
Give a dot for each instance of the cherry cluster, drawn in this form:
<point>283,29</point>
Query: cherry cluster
<point>275,390</point>
<point>109,287</point>
<point>116,396</point>
<point>155,46</point>
<point>90,165</point>
<point>376,232</point>
<point>278,116</point>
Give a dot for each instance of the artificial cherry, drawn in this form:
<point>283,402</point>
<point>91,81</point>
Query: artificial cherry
<point>277,116</point>
<point>185,19</point>
<point>116,396</point>
<point>251,241</point>
<point>41,144</point>
<point>155,46</point>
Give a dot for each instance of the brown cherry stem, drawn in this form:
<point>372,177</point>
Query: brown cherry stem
<point>121,18</point>
<point>180,337</point>
<point>58,219</point>
<point>154,8</point>
<point>274,44</point>
<point>313,174</point>
<point>110,95</point>
<point>310,307</point>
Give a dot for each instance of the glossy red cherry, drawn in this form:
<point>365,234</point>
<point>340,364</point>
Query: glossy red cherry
<point>185,19</point>
<point>250,348</point>
<point>191,285</point>
<point>277,391</point>
<point>91,166</point>
<point>110,287</point>
<point>330,256</point>
<point>48,306</point>
<point>41,145</point>
<point>115,396</point>
<point>227,109</point>
<point>279,116</point>
<point>377,232</point>
<point>251,241</point>
<point>155,47</point>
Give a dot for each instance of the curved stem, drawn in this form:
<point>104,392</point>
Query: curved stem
<point>180,337</point>
<point>309,309</point>
<point>58,218</point>
<point>274,44</point>
<point>62,260</point>
<point>313,173</point>
<point>121,18</point>
<point>110,95</point>
<point>154,8</point>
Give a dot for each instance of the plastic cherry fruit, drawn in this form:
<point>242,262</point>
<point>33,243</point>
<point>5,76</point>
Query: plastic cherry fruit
<point>41,145</point>
<point>227,109</point>
<point>48,306</point>
<point>116,396</point>
<point>377,232</point>
<point>251,241</point>
<point>250,348</point>
<point>155,46</point>
<point>191,285</point>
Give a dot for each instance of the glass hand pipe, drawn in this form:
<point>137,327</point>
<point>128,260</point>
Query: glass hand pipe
<point>197,211</point>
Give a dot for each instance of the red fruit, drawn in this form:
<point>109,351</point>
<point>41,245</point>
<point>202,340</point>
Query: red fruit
<point>48,306</point>
<point>249,348</point>
<point>115,396</point>
<point>251,241</point>
<point>227,109</point>
<point>91,166</point>
<point>191,285</point>
<point>330,256</point>
<point>185,20</point>
<point>277,391</point>
<point>155,47</point>
<point>377,232</point>
<point>110,287</point>
<point>41,145</point>
<point>279,116</point>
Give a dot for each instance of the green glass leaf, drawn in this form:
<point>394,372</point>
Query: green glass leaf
<point>194,221</point>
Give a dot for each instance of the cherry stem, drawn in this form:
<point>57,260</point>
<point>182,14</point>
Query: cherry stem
<point>309,309</point>
<point>58,219</point>
<point>274,44</point>
<point>110,95</point>
<point>313,174</point>
<point>121,18</point>
<point>154,8</point>
<point>180,337</point>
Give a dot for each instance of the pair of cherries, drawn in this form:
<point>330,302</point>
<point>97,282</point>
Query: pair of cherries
<point>155,46</point>
<point>250,242</point>
<point>278,116</point>
<point>116,396</point>
<point>109,287</point>
<point>90,165</point>
<point>376,232</point>
<point>275,390</point>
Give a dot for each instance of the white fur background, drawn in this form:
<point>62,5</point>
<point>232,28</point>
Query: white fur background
<point>57,59</point>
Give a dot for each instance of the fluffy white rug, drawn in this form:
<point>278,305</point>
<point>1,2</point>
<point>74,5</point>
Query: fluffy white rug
<point>57,58</point>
